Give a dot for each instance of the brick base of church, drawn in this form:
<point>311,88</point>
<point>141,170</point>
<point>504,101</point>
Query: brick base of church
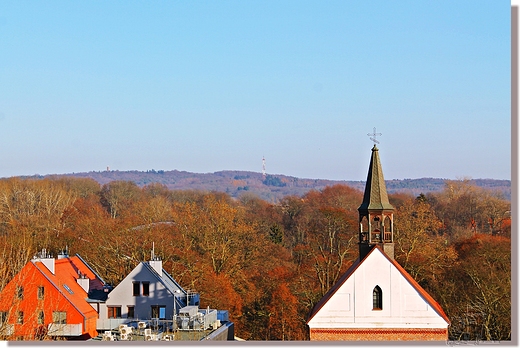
<point>379,334</point>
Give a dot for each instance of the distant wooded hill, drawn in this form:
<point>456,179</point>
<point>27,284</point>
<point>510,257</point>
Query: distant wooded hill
<point>271,187</point>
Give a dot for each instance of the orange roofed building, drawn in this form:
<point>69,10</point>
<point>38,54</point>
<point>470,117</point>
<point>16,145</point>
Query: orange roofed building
<point>49,297</point>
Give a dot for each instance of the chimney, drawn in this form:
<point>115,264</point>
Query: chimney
<point>155,262</point>
<point>46,258</point>
<point>84,282</point>
<point>63,254</point>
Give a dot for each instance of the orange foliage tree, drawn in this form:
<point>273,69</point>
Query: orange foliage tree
<point>267,264</point>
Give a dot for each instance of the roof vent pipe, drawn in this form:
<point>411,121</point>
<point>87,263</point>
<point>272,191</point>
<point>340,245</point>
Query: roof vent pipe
<point>155,262</point>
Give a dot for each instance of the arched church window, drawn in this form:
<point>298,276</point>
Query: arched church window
<point>377,298</point>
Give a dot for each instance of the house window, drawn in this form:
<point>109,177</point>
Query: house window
<point>377,299</point>
<point>41,292</point>
<point>59,317</point>
<point>114,312</point>
<point>130,312</point>
<point>20,317</point>
<point>19,292</point>
<point>41,317</point>
<point>159,312</point>
<point>146,289</point>
<point>135,288</point>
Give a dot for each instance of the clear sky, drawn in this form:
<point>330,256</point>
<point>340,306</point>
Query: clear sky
<point>204,86</point>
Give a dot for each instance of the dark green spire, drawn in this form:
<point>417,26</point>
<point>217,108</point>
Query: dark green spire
<point>375,190</point>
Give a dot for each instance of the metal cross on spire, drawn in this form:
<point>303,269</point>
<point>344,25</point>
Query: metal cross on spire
<point>373,136</point>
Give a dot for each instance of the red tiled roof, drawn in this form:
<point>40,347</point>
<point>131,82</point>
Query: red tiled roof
<point>66,273</point>
<point>403,272</point>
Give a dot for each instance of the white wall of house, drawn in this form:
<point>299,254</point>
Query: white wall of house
<point>351,306</point>
<point>122,295</point>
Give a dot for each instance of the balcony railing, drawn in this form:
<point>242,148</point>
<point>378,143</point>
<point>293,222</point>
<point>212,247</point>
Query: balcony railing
<point>112,323</point>
<point>376,237</point>
<point>64,329</point>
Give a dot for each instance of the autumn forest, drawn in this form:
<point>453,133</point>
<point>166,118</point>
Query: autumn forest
<point>269,263</point>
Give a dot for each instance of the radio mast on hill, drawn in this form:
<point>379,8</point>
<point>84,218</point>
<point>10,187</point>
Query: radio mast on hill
<point>263,167</point>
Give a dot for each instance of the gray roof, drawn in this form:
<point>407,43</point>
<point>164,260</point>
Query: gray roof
<point>375,196</point>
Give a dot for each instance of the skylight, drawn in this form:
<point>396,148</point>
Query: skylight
<point>68,289</point>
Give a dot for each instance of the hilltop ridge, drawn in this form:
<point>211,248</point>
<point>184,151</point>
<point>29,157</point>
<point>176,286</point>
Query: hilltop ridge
<point>271,188</point>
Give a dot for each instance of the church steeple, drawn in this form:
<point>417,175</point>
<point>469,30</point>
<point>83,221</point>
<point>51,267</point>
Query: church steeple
<point>376,214</point>
<point>375,196</point>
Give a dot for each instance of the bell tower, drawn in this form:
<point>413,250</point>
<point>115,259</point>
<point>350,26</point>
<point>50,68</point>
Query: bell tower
<point>376,214</point>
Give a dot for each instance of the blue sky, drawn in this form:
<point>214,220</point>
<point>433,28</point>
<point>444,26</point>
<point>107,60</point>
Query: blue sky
<point>204,86</point>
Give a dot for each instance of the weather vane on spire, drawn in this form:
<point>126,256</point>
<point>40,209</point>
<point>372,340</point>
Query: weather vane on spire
<point>373,136</point>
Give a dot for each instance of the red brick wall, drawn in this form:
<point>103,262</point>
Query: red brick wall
<point>379,334</point>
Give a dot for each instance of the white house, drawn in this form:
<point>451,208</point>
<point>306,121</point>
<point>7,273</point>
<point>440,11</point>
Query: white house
<point>147,292</point>
<point>376,299</point>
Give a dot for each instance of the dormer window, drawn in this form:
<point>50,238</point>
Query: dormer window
<point>377,299</point>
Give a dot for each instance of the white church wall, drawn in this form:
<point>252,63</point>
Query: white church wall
<point>352,304</point>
